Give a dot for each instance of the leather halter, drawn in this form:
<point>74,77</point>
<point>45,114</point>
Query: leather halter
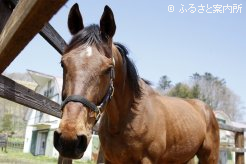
<point>95,108</point>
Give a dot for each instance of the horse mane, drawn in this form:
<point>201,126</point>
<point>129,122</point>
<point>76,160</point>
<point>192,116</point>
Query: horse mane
<point>132,73</point>
<point>147,82</point>
<point>90,35</point>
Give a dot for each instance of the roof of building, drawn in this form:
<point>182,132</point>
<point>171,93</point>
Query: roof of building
<point>41,79</point>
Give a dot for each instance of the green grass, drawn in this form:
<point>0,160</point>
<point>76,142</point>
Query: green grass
<point>18,157</point>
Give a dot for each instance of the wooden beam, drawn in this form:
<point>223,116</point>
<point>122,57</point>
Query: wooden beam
<point>62,160</point>
<point>230,128</point>
<point>13,91</point>
<point>233,149</point>
<point>100,157</point>
<point>53,38</point>
<point>239,143</point>
<point>47,32</point>
<point>25,22</point>
<point>5,12</point>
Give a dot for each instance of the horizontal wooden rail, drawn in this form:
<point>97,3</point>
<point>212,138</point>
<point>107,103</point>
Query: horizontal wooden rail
<point>230,128</point>
<point>13,91</point>
<point>233,149</point>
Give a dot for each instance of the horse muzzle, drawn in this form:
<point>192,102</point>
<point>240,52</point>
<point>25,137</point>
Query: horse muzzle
<point>73,149</point>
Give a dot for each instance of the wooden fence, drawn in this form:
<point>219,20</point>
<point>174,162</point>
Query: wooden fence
<point>239,142</point>
<point>3,141</point>
<point>15,35</point>
<point>16,145</point>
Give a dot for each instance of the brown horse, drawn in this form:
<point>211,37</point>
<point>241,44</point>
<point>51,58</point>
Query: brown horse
<point>137,124</point>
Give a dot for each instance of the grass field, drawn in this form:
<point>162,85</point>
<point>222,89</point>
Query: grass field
<point>14,156</point>
<point>18,157</point>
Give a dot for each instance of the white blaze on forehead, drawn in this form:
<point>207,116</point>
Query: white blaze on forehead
<point>89,51</point>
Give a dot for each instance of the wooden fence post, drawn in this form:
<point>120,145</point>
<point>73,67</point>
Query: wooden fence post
<point>239,143</point>
<point>100,157</point>
<point>62,160</point>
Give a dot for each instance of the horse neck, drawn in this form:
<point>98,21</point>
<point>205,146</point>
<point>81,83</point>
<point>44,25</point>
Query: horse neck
<point>122,100</point>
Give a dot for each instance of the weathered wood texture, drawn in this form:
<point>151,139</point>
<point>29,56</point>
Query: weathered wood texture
<point>5,12</point>
<point>233,149</point>
<point>230,128</point>
<point>239,143</point>
<point>13,91</point>
<point>64,160</point>
<point>25,22</point>
<point>100,158</point>
<point>53,38</point>
<point>47,32</point>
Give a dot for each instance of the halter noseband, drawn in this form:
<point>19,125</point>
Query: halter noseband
<point>95,108</point>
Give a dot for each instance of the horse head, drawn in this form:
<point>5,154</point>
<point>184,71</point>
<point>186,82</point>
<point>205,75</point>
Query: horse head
<point>88,73</point>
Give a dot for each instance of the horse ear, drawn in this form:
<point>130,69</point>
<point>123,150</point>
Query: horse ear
<point>75,21</point>
<point>107,23</point>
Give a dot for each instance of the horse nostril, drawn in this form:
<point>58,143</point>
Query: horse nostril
<point>56,141</point>
<point>70,148</point>
<point>82,143</point>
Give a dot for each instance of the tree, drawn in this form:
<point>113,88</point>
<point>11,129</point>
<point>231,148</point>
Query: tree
<point>195,91</point>
<point>184,91</point>
<point>208,88</point>
<point>215,93</point>
<point>164,83</point>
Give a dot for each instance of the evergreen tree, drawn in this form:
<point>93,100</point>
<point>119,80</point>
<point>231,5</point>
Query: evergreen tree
<point>164,83</point>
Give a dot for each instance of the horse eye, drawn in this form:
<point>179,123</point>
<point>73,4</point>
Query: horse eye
<point>107,71</point>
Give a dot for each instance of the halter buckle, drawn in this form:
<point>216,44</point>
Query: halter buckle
<point>99,113</point>
<point>112,86</point>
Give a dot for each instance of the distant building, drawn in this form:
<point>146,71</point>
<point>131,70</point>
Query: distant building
<point>40,127</point>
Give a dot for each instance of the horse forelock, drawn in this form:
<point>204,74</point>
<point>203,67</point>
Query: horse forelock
<point>89,36</point>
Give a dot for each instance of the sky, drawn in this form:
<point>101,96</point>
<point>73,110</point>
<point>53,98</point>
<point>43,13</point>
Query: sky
<point>173,38</point>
